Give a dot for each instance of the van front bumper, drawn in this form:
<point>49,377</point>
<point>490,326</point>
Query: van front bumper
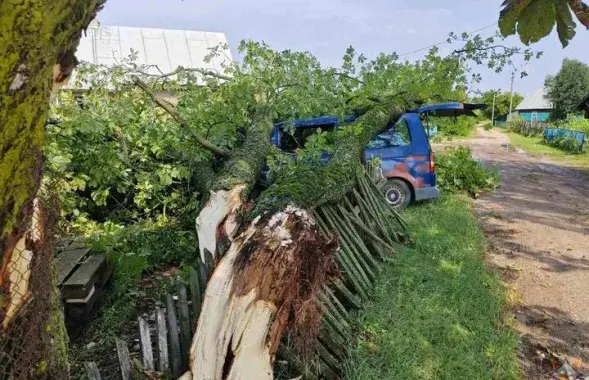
<point>423,193</point>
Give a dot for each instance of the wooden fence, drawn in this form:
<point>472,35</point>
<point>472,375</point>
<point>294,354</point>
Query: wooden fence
<point>369,230</point>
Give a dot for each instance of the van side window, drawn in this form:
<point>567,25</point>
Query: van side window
<point>397,136</point>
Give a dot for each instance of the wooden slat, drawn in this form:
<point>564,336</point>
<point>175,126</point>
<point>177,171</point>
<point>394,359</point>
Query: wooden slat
<point>195,294</point>
<point>175,352</point>
<point>124,359</point>
<point>185,330</point>
<point>79,284</point>
<point>67,261</point>
<point>92,371</point>
<point>162,340</point>
<point>76,244</point>
<point>145,344</point>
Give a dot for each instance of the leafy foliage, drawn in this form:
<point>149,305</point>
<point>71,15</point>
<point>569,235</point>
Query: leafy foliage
<point>125,166</point>
<point>566,143</point>
<point>461,126</point>
<point>568,87</point>
<point>502,101</point>
<point>577,125</point>
<point>457,170</point>
<point>533,20</point>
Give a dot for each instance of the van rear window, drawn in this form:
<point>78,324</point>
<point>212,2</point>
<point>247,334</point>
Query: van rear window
<point>291,142</point>
<point>397,136</point>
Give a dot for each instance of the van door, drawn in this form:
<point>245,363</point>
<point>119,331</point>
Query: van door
<point>404,152</point>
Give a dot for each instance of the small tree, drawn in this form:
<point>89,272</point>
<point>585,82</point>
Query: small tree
<point>566,89</point>
<point>502,100</point>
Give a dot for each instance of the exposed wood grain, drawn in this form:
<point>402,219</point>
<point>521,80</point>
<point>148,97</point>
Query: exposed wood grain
<point>145,343</point>
<point>67,261</point>
<point>92,371</point>
<point>162,340</point>
<point>124,359</point>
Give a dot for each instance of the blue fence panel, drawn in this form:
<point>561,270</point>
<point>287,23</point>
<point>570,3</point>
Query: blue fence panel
<point>554,133</point>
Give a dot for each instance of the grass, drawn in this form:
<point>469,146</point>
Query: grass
<point>535,146</point>
<point>438,313</point>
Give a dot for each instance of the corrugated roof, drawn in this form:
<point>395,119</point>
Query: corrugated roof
<point>165,48</point>
<point>535,101</point>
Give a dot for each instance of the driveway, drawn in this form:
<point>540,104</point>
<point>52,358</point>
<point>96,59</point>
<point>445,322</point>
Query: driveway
<point>537,224</point>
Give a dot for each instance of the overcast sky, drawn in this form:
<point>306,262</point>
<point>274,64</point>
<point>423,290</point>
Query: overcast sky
<point>327,27</point>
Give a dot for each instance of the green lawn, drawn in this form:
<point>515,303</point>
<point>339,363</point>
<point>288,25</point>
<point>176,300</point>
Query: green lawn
<point>438,313</point>
<point>534,145</point>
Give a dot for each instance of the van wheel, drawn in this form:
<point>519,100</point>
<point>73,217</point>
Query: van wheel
<point>397,193</point>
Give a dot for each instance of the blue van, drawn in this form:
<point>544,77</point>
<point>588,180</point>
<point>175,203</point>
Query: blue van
<point>403,149</point>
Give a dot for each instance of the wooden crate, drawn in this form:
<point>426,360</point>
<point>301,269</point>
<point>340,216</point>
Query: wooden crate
<point>82,276</point>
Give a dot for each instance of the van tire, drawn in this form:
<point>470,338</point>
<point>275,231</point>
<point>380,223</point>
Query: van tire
<point>397,193</point>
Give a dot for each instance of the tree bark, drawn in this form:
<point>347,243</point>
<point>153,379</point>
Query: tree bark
<point>270,277</point>
<point>38,40</point>
<point>218,220</point>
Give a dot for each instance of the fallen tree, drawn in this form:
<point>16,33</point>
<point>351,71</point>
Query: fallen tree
<point>271,275</point>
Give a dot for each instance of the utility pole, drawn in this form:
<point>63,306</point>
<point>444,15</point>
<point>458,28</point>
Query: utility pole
<point>493,111</point>
<point>511,96</point>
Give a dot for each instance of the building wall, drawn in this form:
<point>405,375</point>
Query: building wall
<point>540,115</point>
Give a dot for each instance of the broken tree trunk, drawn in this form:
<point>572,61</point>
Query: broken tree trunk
<point>270,277</point>
<point>217,222</point>
<point>38,39</point>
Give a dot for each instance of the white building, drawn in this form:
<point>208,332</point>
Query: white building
<point>165,48</point>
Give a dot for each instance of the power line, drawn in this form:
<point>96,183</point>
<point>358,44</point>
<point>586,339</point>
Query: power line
<point>446,41</point>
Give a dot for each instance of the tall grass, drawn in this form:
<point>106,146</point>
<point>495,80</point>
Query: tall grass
<point>438,313</point>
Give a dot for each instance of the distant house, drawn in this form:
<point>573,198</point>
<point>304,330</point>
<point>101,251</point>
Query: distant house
<point>583,106</point>
<point>159,50</point>
<point>535,106</point>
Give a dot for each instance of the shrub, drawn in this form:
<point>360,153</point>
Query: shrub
<point>450,126</point>
<point>457,170</point>
<point>527,128</point>
<point>566,143</point>
<point>581,125</point>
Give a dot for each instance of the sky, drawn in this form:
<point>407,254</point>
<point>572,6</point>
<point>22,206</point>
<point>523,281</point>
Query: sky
<point>327,27</point>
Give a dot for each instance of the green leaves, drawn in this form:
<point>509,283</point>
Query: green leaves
<point>565,25</point>
<point>533,20</point>
<point>457,170</point>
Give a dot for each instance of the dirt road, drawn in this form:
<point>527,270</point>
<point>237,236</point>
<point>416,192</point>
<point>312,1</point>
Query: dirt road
<point>537,224</point>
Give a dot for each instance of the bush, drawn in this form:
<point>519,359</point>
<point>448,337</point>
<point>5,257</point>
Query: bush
<point>460,126</point>
<point>457,170</point>
<point>581,125</point>
<point>566,143</point>
<point>527,128</point>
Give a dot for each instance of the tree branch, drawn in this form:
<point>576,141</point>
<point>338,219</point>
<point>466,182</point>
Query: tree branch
<point>180,69</point>
<point>466,50</point>
<point>179,119</point>
<point>349,77</point>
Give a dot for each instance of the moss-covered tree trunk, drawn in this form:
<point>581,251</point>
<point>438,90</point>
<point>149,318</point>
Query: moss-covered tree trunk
<point>269,279</point>
<point>217,223</point>
<point>38,40</point>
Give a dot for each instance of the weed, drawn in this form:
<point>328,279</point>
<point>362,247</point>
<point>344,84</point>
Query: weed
<point>438,313</point>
